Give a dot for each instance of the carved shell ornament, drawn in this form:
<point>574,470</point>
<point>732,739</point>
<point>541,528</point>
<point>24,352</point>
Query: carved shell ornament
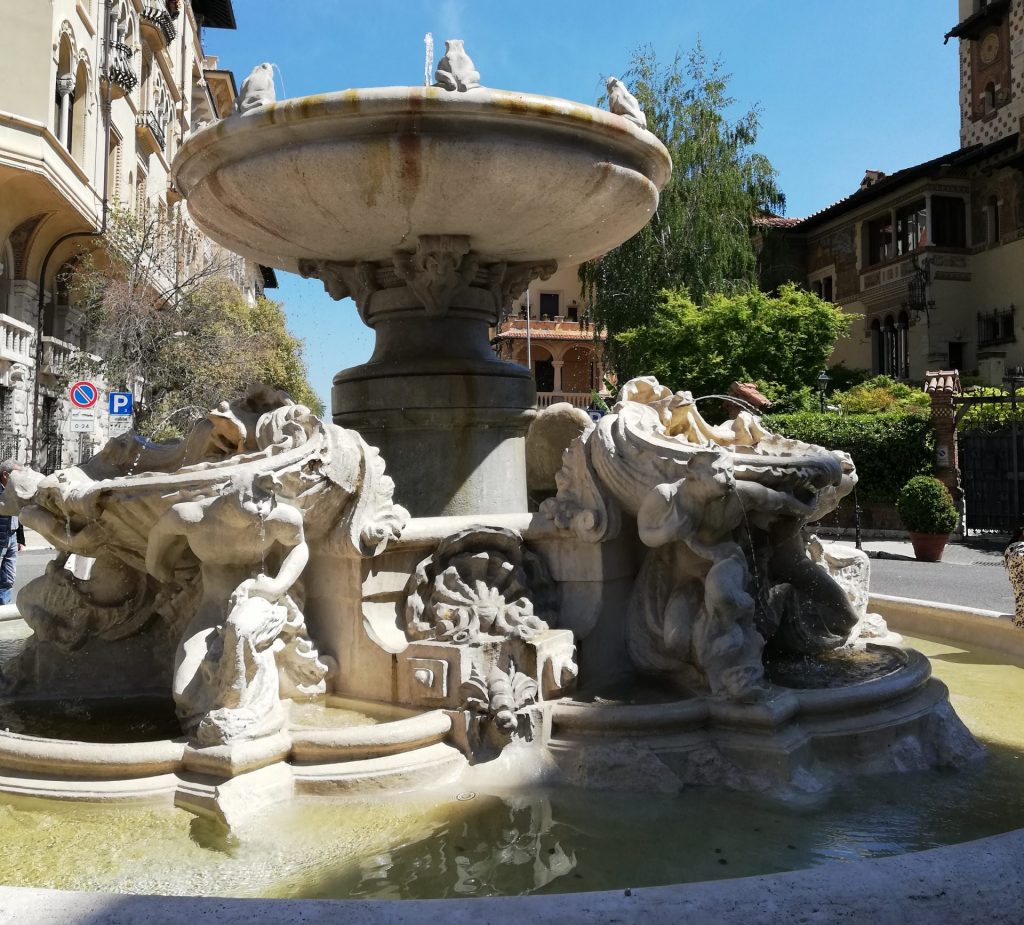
<point>479,582</point>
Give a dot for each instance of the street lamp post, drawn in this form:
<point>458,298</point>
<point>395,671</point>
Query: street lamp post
<point>823,381</point>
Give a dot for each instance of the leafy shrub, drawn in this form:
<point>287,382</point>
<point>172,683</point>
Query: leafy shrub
<point>926,506</point>
<point>882,393</point>
<point>843,378</point>
<point>887,449</point>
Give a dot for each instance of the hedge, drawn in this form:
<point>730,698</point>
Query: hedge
<point>887,449</point>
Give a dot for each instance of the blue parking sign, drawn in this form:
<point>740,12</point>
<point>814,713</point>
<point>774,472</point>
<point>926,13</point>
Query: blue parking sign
<point>120,403</point>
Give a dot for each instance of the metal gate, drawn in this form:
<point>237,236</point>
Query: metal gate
<point>990,444</point>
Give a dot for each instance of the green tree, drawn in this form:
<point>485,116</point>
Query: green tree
<point>782,341</point>
<point>700,236</point>
<point>162,312</point>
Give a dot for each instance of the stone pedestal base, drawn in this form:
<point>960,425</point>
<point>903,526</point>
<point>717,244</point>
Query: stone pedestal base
<point>454,440</point>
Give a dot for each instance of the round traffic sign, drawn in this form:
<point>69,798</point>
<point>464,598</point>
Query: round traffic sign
<point>83,394</point>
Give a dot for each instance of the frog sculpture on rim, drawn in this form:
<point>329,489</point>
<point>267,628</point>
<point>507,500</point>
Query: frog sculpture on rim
<point>721,510</point>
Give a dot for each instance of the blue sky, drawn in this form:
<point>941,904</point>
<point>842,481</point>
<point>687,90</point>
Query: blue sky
<point>842,87</point>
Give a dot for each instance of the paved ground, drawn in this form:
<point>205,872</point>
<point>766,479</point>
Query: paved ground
<point>970,574</point>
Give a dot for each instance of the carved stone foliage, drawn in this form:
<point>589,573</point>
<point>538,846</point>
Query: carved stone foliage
<point>721,509</point>
<point>442,271</point>
<point>441,266</point>
<point>499,696</point>
<point>479,582</point>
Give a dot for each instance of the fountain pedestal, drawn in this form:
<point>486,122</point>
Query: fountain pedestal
<point>449,417</point>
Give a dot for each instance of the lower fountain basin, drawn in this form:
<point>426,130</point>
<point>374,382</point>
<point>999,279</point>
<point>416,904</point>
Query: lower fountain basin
<point>465,840</point>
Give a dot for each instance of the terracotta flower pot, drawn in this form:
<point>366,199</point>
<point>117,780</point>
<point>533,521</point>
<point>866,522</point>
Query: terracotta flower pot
<point>928,547</point>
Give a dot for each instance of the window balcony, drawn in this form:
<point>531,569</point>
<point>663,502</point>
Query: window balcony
<point>148,127</point>
<point>996,327</point>
<point>122,74</point>
<point>158,20</point>
<point>16,340</point>
<point>57,354</point>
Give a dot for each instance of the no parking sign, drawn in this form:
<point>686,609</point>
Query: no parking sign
<point>83,394</point>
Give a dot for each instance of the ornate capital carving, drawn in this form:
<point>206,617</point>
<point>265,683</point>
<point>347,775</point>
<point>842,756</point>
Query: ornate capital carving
<point>441,266</point>
<point>508,281</point>
<point>344,280</point>
<point>442,274</point>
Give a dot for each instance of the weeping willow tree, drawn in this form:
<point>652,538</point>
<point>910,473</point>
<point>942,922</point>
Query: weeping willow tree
<point>700,237</point>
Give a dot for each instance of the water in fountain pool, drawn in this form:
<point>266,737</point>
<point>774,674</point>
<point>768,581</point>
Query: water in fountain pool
<point>540,841</point>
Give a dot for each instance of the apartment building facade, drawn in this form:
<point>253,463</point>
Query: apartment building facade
<point>95,98</point>
<point>930,260</point>
<point>548,330</point>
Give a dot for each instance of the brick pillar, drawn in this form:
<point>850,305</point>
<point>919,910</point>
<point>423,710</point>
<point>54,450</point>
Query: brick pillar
<point>941,387</point>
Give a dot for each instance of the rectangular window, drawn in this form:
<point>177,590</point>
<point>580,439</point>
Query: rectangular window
<point>911,228</point>
<point>879,240</point>
<point>827,289</point>
<point>548,304</point>
<point>949,221</point>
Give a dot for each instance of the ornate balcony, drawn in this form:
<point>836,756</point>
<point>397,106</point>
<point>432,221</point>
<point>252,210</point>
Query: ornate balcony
<point>56,355</point>
<point>16,339</point>
<point>158,19</point>
<point>148,126</point>
<point>122,74</point>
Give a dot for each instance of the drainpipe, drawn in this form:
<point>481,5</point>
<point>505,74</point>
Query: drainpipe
<point>102,230</point>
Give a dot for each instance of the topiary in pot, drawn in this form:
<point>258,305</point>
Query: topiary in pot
<point>926,508</point>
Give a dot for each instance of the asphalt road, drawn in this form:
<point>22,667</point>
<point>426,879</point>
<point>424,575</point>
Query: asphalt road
<point>974,580</point>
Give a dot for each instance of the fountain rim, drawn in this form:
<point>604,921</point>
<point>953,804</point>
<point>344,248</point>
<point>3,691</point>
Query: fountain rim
<point>366,111</point>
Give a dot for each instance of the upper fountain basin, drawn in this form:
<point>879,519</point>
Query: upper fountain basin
<point>358,174</point>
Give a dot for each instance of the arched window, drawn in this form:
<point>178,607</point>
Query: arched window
<point>889,346</point>
<point>6,274</point>
<point>578,373</point>
<point>993,220</point>
<point>64,93</point>
<point>877,350</point>
<point>76,143</point>
<point>903,346</point>
<point>543,370</point>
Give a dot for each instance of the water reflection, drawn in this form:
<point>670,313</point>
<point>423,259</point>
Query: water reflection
<point>495,847</point>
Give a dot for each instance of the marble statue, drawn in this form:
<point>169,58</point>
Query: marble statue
<point>257,89</point>
<point>721,509</point>
<point>225,675</point>
<point>623,103</point>
<point>455,71</point>
<point>206,540</point>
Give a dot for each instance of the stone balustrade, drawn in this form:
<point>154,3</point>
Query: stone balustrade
<point>576,399</point>
<point>16,338</point>
<point>57,354</point>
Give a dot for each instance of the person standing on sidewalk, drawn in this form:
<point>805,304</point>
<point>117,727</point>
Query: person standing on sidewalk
<point>1013,559</point>
<point>12,538</point>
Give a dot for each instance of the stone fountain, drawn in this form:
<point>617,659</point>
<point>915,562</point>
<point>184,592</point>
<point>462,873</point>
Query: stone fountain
<point>626,631</point>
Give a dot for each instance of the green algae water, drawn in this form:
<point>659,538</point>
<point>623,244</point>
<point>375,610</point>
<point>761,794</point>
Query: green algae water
<point>539,841</point>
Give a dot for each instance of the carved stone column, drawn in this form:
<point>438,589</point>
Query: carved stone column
<point>557,366</point>
<point>65,88</point>
<point>449,417</point>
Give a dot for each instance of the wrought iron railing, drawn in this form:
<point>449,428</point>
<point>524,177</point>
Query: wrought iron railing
<point>148,121</point>
<point>120,67</point>
<point>157,14</point>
